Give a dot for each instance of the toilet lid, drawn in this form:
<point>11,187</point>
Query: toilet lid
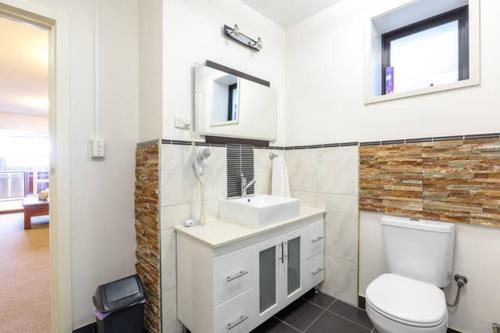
<point>406,300</point>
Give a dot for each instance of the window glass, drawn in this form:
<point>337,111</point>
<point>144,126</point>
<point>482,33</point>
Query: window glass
<point>426,58</point>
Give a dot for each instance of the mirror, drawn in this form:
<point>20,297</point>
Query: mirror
<point>230,106</point>
<point>225,100</point>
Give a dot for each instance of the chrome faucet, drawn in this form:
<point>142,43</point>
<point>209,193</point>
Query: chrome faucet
<point>245,185</point>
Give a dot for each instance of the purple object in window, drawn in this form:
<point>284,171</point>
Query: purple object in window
<point>389,80</point>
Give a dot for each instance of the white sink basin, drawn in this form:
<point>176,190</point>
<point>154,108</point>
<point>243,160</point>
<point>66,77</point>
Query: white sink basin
<point>258,211</point>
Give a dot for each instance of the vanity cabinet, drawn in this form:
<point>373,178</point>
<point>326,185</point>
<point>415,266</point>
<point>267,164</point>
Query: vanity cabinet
<point>237,286</point>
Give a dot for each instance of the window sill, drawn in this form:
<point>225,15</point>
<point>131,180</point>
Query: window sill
<point>424,91</point>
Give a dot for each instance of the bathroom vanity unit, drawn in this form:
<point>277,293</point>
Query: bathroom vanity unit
<point>232,278</point>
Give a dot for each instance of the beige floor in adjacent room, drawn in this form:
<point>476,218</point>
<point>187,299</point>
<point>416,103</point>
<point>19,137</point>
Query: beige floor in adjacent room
<point>24,275</point>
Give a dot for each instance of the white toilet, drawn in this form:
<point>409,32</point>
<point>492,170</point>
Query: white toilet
<point>420,257</point>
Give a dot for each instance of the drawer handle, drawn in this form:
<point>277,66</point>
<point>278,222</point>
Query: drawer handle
<point>238,321</point>
<point>316,272</point>
<point>317,239</point>
<point>235,276</point>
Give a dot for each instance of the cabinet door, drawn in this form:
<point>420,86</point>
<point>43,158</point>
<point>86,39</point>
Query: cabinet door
<point>293,282</point>
<point>293,265</point>
<point>269,276</point>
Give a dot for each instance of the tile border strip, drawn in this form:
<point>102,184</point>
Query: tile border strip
<point>349,144</point>
<point>433,139</point>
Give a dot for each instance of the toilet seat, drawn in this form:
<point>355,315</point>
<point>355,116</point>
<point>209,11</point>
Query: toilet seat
<point>407,301</point>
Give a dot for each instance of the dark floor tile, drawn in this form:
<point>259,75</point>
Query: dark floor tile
<point>331,323</point>
<point>300,314</point>
<point>91,328</point>
<point>319,299</point>
<point>273,325</point>
<point>351,312</point>
<point>451,330</point>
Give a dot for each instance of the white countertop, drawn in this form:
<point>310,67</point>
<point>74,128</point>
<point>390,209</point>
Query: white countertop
<point>217,233</point>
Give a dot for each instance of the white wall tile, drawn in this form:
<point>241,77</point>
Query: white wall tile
<point>169,308</point>
<point>302,169</point>
<point>215,178</point>
<point>328,178</point>
<point>263,170</point>
<point>168,259</point>
<point>341,226</point>
<point>340,280</point>
<point>177,177</point>
<point>338,170</point>
<point>309,199</point>
<point>327,159</point>
<point>172,216</point>
<point>211,209</point>
<point>338,202</point>
<point>179,184</point>
<point>341,236</point>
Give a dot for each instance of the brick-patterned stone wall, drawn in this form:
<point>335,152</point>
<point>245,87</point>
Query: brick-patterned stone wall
<point>147,226</point>
<point>456,181</point>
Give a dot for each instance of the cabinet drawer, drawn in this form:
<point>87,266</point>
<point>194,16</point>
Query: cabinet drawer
<point>233,274</point>
<point>315,270</point>
<point>236,315</point>
<point>316,241</point>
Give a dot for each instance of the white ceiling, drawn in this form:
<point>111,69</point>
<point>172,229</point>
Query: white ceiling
<point>288,12</point>
<point>23,68</point>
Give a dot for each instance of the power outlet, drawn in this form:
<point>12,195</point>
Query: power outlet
<point>97,148</point>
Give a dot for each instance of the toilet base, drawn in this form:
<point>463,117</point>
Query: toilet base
<point>386,325</point>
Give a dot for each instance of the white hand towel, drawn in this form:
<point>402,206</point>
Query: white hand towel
<point>280,183</point>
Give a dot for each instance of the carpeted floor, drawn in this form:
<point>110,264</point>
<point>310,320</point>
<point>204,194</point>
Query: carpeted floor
<point>24,275</point>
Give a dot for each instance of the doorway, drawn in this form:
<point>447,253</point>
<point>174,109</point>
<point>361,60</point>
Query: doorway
<point>25,289</point>
<point>57,25</point>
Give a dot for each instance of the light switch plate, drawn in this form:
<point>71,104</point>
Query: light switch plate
<point>97,148</point>
<point>182,123</point>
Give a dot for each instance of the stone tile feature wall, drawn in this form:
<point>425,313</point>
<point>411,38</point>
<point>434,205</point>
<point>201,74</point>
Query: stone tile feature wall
<point>456,180</point>
<point>147,226</point>
<point>180,200</point>
<point>325,178</point>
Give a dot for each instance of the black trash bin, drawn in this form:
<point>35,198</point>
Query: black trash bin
<point>119,306</point>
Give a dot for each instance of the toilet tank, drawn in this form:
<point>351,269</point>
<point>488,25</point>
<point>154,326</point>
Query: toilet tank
<point>419,249</point>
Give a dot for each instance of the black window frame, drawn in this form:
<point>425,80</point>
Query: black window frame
<point>460,14</point>
<point>231,88</point>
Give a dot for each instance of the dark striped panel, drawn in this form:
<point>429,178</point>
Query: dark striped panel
<point>239,161</point>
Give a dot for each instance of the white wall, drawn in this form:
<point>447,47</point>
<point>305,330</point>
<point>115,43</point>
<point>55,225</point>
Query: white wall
<point>193,34</point>
<point>23,122</point>
<point>150,69</point>
<point>102,201</point>
<point>324,84</point>
<point>103,192</point>
<point>477,250</point>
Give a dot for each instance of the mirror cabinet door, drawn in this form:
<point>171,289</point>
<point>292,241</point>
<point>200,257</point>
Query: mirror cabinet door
<point>230,106</point>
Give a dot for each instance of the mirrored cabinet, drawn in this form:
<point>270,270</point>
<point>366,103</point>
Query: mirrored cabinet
<point>227,105</point>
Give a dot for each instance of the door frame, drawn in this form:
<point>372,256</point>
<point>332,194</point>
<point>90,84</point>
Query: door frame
<point>60,214</point>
